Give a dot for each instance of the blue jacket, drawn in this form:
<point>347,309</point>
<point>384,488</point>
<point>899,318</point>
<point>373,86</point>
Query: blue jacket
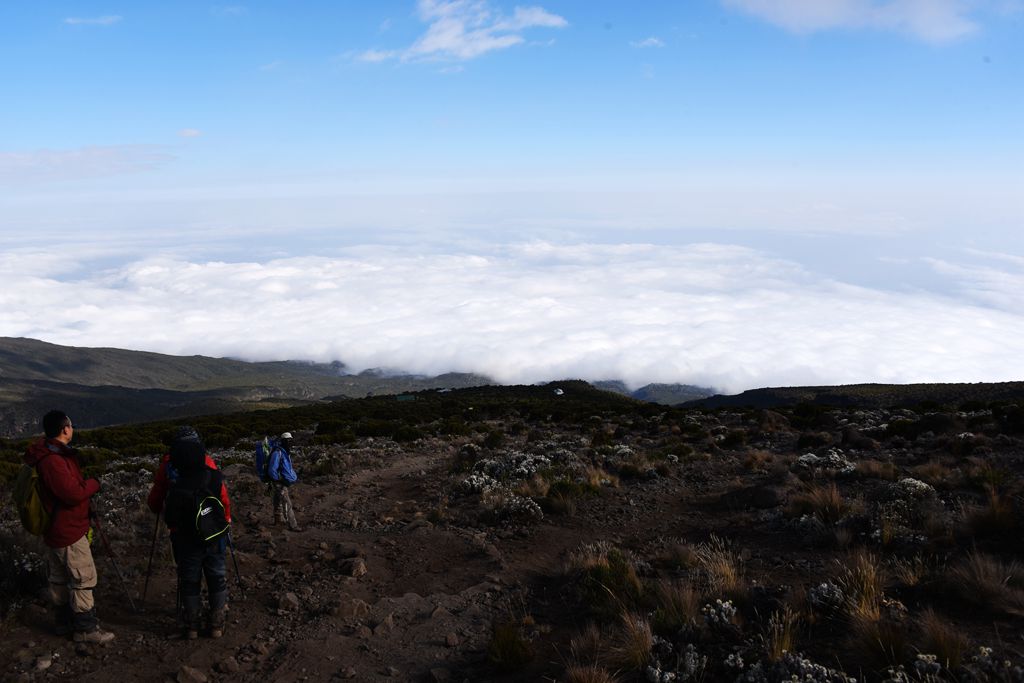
<point>280,466</point>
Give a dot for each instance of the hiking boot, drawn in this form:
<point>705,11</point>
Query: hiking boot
<point>217,622</point>
<point>296,528</point>
<point>191,617</point>
<point>218,613</point>
<point>97,636</point>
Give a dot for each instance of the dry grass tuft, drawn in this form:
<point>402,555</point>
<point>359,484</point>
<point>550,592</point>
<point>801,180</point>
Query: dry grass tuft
<point>942,639</point>
<point>781,633</point>
<point>681,556</point>
<point>990,583</point>
<point>863,584</point>
<point>879,643</point>
<point>678,605</point>
<point>823,502</point>
<point>509,650</point>
<point>910,572</point>
<point>757,460</point>
<point>631,647</point>
<point>589,673</point>
<point>937,473</point>
<point>586,647</point>
<point>562,504</point>
<point>874,469</point>
<point>596,477</point>
<point>997,517</point>
<point>534,487</point>
<point>606,578</point>
<point>723,569</point>
<point>843,538</point>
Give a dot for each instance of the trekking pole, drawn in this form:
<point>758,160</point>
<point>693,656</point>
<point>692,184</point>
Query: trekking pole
<point>234,559</point>
<point>149,567</point>
<point>113,560</point>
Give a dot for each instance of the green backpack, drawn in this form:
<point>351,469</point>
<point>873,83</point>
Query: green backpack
<point>28,498</point>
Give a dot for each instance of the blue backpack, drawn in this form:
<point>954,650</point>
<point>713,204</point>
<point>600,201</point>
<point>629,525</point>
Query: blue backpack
<point>263,450</point>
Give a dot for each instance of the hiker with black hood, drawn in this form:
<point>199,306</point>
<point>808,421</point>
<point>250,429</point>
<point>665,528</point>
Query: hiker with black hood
<point>67,496</point>
<point>191,492</point>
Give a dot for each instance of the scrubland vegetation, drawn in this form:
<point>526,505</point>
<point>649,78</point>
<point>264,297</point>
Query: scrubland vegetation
<point>689,544</point>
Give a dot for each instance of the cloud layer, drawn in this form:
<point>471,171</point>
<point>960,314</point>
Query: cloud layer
<point>466,29</point>
<point>46,165</point>
<point>935,21</point>
<point>708,314</point>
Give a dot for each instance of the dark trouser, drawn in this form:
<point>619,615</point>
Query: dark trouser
<point>196,560</point>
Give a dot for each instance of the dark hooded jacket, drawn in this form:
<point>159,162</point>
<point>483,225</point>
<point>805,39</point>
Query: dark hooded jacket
<point>191,457</point>
<point>65,490</point>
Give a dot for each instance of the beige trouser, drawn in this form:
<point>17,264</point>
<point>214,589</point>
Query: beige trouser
<point>72,575</point>
<point>283,511</point>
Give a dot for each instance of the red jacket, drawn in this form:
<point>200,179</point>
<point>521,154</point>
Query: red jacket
<point>65,490</point>
<point>161,484</point>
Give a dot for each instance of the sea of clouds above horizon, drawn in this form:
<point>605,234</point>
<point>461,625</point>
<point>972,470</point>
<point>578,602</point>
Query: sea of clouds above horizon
<point>719,315</point>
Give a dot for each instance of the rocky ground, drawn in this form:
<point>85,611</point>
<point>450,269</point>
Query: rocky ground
<point>693,545</point>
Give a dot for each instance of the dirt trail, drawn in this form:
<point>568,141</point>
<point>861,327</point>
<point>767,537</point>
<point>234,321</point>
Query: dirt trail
<point>421,611</point>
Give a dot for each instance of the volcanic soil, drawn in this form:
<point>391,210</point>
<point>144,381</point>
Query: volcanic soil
<point>455,559</point>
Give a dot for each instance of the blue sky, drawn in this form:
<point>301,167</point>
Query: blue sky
<point>868,149</point>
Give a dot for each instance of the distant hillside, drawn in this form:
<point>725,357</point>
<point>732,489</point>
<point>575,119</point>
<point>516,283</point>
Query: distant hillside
<point>104,386</point>
<point>665,394</point>
<point>869,395</point>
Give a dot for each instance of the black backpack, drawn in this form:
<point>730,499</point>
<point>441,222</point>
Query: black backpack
<point>193,506</point>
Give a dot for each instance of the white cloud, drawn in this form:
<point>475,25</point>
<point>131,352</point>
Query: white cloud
<point>936,21</point>
<point>709,314</point>
<point>93,21</point>
<point>189,132</point>
<point>374,56</point>
<point>648,42</point>
<point>997,281</point>
<point>229,10</point>
<point>466,29</point>
<point>46,165</point>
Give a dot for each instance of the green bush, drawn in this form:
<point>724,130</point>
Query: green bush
<point>736,438</point>
<point>405,434</point>
<point>8,471</point>
<point>494,439</point>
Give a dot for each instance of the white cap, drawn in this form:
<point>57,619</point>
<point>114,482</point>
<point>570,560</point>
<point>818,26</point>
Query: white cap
<point>286,435</point>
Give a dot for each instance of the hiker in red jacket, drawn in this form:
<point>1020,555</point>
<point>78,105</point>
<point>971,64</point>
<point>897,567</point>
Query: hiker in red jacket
<point>72,572</point>
<point>188,468</point>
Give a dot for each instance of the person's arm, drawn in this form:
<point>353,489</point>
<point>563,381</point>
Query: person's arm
<point>287,471</point>
<point>66,485</point>
<point>158,492</point>
<point>225,500</point>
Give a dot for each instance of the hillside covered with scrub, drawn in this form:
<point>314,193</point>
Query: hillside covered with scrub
<point>560,532</point>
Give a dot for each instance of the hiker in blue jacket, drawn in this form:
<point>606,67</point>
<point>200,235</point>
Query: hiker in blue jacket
<point>282,475</point>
